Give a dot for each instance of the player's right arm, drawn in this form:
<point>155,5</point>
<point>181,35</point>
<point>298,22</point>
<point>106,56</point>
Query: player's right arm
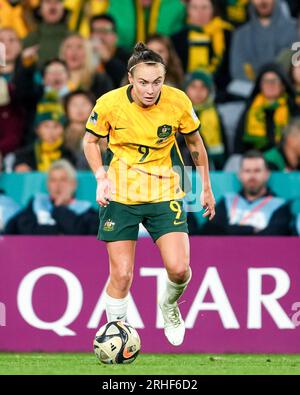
<point>97,127</point>
<point>92,153</point>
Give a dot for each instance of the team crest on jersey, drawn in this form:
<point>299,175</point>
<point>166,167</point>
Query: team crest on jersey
<point>164,131</point>
<point>109,225</point>
<point>94,118</point>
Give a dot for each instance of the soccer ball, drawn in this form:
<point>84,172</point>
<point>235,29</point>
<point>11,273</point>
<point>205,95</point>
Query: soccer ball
<point>117,342</point>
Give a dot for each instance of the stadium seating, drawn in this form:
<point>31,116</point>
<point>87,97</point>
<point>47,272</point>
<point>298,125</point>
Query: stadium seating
<point>22,187</point>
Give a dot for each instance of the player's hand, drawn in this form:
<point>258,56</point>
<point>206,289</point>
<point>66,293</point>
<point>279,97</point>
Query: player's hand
<point>105,191</point>
<point>208,202</point>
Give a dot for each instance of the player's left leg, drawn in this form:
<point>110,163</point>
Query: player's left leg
<point>175,252</point>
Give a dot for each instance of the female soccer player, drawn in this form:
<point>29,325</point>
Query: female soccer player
<point>141,181</point>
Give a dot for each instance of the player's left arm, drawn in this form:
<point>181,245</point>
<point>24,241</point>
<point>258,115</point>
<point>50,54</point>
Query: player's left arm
<point>199,155</point>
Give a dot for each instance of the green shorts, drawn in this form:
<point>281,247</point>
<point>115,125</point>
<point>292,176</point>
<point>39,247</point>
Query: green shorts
<point>120,221</point>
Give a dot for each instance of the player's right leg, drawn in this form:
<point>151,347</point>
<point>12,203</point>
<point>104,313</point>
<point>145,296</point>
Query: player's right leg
<point>121,264</point>
<point>119,226</point>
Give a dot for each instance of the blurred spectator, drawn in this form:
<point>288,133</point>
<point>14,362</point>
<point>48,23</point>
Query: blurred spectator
<point>8,207</point>
<point>255,210</point>
<point>50,31</point>
<point>164,47</point>
<point>55,78</point>
<point>16,14</point>
<point>204,42</point>
<point>13,47</point>
<point>77,53</point>
<point>33,86</point>
<point>80,13</point>
<point>12,118</point>
<point>78,106</point>
<point>259,41</point>
<point>11,108</point>
<point>295,78</point>
<point>58,212</point>
<point>49,146</point>
<point>268,111</point>
<point>138,19</point>
<point>199,87</point>
<point>234,11</point>
<point>108,56</point>
<point>286,156</point>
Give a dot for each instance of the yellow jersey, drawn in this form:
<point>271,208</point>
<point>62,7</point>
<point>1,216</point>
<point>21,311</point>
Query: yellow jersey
<point>143,159</point>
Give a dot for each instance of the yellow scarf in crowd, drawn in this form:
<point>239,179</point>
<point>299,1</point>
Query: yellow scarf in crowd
<point>256,128</point>
<point>47,153</point>
<point>81,12</point>
<point>201,39</point>
<point>143,31</point>
<point>210,128</point>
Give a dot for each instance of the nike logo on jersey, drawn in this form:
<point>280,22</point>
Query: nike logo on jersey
<point>119,128</point>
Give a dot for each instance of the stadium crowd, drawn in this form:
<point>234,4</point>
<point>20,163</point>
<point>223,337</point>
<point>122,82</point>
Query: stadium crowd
<point>233,58</point>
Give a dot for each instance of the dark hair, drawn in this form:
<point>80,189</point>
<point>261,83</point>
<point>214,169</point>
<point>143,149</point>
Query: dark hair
<point>54,60</point>
<point>103,17</point>
<point>70,96</point>
<point>254,154</point>
<point>142,54</point>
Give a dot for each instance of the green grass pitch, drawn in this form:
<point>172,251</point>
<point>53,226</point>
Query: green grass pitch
<point>148,364</point>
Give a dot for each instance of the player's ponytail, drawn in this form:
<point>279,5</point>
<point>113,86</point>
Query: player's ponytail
<point>142,54</point>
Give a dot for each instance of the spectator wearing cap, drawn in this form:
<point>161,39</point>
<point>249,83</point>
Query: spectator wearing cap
<point>58,212</point>
<point>199,87</point>
<point>49,146</point>
<point>286,155</point>
<point>108,56</point>
<point>260,41</point>
<point>268,110</point>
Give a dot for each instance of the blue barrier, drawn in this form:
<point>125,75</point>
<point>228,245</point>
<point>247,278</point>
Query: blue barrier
<point>22,186</point>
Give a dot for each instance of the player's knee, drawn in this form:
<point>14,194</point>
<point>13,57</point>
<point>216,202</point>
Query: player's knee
<point>180,273</point>
<point>122,279</point>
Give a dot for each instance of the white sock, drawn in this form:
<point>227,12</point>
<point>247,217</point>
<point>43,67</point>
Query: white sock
<point>173,291</point>
<point>116,309</point>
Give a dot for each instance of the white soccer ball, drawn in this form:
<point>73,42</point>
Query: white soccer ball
<point>117,342</point>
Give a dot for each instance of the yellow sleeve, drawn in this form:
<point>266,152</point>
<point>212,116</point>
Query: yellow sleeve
<point>189,122</point>
<point>97,123</point>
